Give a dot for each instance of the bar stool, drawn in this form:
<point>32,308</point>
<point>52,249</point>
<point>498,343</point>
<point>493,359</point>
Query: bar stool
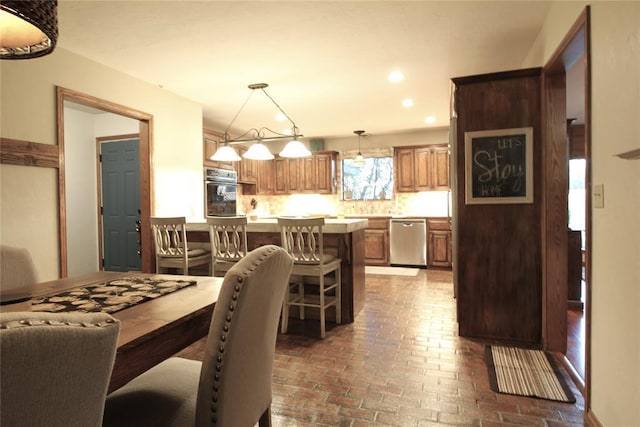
<point>172,251</point>
<point>303,239</point>
<point>228,236</point>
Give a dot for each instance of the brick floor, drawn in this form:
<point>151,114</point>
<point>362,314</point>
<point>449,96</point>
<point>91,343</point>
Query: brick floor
<point>401,363</point>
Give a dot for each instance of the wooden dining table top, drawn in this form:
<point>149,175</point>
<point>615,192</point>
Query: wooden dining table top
<point>154,330</point>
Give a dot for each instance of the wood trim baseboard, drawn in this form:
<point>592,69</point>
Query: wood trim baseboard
<point>26,153</point>
<point>591,419</point>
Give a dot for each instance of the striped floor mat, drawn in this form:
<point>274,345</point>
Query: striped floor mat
<point>526,373</point>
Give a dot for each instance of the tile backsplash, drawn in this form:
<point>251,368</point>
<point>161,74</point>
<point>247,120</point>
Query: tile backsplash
<point>426,203</point>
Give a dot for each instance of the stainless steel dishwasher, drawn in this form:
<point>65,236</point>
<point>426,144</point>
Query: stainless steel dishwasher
<point>408,241</point>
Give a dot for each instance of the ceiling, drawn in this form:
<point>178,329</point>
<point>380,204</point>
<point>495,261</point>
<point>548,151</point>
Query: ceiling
<point>326,63</point>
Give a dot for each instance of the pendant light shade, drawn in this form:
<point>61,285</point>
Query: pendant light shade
<point>295,149</point>
<point>258,151</point>
<point>28,29</point>
<point>226,154</point>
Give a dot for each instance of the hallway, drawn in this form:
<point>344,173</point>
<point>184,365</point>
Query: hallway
<point>400,363</point>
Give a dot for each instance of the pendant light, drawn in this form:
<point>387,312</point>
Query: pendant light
<point>258,151</point>
<point>28,29</point>
<point>295,149</point>
<point>226,154</point>
<point>359,157</point>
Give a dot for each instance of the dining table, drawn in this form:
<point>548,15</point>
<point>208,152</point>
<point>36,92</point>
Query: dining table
<point>151,331</point>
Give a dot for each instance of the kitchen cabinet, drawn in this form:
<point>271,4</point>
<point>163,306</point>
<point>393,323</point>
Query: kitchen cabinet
<point>325,173</point>
<point>246,168</point>
<point>439,243</point>
<point>314,174</point>
<point>264,177</point>
<point>440,163</point>
<point>376,242</point>
<point>422,168</point>
<point>281,175</point>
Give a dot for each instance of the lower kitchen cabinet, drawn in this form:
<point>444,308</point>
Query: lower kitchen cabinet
<point>376,242</point>
<point>439,246</point>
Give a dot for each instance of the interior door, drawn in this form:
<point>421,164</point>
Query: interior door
<point>120,162</point>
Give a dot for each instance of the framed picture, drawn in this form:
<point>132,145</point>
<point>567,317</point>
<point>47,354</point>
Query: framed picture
<point>499,166</point>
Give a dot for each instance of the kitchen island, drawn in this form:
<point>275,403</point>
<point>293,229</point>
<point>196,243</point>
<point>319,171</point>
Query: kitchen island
<point>343,238</point>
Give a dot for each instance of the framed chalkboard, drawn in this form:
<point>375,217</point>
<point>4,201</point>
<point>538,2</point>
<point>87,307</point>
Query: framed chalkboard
<point>499,166</point>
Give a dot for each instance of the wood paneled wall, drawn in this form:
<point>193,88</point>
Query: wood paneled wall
<point>499,261</point>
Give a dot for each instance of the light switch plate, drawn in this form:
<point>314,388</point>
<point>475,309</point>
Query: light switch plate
<point>598,196</point>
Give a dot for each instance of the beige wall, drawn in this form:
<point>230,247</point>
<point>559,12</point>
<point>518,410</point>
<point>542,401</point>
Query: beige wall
<point>29,198</point>
<point>615,328</point>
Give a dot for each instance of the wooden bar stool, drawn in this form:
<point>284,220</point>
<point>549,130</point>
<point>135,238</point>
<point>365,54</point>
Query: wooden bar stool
<point>228,236</point>
<point>302,238</point>
<point>172,251</point>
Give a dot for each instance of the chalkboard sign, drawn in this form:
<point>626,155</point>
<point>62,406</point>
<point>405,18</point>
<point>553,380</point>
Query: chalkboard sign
<point>499,166</point>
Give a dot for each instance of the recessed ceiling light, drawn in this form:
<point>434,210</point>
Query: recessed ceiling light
<point>396,76</point>
<point>407,103</point>
<point>430,120</point>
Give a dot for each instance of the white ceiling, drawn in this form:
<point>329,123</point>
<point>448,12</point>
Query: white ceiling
<point>326,62</point>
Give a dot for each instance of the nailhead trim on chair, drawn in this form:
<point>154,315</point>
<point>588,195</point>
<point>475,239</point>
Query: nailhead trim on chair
<point>14,324</point>
<point>223,337</point>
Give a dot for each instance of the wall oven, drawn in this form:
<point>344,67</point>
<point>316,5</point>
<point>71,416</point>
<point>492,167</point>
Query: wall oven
<point>220,192</point>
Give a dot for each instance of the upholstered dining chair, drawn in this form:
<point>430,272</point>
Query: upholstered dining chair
<point>172,250</point>
<point>303,239</point>
<point>16,268</point>
<point>231,387</point>
<point>55,368</point>
<point>228,236</point>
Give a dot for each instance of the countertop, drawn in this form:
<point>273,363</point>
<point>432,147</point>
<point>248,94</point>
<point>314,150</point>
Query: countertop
<point>270,225</point>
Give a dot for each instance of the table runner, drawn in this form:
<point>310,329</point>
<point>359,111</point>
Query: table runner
<point>109,296</point>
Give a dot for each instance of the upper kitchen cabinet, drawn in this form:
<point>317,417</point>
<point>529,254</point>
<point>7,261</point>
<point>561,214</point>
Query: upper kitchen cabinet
<point>247,168</point>
<point>422,168</point>
<point>325,164</point>
<point>211,142</point>
<point>314,174</point>
<point>264,178</point>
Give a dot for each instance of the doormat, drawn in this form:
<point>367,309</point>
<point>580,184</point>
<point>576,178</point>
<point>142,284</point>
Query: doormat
<point>526,373</point>
<point>110,296</point>
<point>391,271</point>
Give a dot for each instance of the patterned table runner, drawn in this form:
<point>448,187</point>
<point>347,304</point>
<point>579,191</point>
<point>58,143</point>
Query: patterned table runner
<point>110,296</point>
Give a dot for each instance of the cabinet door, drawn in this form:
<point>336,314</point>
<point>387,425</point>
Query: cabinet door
<point>308,175</point>
<point>422,169</point>
<point>325,173</point>
<point>294,175</point>
<point>246,168</point>
<point>439,248</point>
<point>404,169</point>
<point>264,184</point>
<point>280,176</point>
<point>440,162</point>
<point>376,247</point>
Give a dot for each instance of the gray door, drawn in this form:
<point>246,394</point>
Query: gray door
<point>121,204</point>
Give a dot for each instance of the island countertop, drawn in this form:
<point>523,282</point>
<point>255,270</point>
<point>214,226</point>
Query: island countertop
<point>270,225</point>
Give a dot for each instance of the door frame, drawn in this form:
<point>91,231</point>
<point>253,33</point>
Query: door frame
<point>146,177</point>
<point>577,40</point>
<point>99,141</point>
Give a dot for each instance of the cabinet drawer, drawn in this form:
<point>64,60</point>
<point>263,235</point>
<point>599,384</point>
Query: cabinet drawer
<point>438,224</point>
<point>378,224</point>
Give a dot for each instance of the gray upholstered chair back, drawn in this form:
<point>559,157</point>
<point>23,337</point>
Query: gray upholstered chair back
<point>235,381</point>
<point>55,368</point>
<point>16,268</point>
